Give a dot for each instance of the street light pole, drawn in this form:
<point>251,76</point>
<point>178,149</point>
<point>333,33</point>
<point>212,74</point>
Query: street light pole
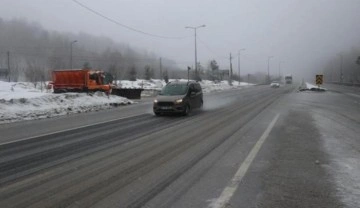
<point>341,69</point>
<point>71,53</point>
<point>195,28</point>
<point>269,57</point>
<point>239,57</point>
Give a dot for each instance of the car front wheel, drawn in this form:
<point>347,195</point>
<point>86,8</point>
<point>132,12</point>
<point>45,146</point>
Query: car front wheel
<point>186,110</point>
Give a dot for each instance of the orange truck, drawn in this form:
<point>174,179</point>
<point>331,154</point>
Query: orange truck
<point>81,80</point>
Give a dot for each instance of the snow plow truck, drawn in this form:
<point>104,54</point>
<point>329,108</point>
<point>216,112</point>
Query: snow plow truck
<point>86,80</point>
<point>81,80</point>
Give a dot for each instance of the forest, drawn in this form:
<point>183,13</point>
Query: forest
<point>28,52</point>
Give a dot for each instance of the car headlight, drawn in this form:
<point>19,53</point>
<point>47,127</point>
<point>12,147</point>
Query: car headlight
<point>178,101</point>
<point>155,101</point>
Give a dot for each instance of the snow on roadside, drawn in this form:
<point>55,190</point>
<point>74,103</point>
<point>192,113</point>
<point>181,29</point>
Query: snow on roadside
<point>311,86</point>
<point>305,86</point>
<point>340,142</point>
<point>22,101</point>
<point>156,84</point>
<point>210,86</point>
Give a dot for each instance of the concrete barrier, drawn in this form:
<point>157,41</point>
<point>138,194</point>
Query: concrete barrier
<point>128,93</point>
<point>345,83</point>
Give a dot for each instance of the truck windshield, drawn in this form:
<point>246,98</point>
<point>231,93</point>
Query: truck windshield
<point>174,89</point>
<point>108,78</point>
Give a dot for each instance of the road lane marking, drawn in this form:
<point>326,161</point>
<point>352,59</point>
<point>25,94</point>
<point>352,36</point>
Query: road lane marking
<point>228,192</point>
<point>61,131</point>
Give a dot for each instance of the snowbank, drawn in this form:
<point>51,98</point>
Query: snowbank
<point>210,86</point>
<point>22,101</point>
<point>310,87</point>
<point>156,85</point>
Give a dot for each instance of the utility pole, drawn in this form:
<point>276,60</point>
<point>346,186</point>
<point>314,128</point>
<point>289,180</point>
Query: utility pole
<point>230,71</point>
<point>239,57</point>
<point>161,74</point>
<point>196,63</point>
<point>341,68</point>
<point>71,53</point>
<point>280,70</point>
<point>8,63</point>
<point>269,57</point>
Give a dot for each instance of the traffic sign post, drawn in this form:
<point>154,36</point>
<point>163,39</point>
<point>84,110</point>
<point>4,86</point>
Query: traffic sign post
<point>319,79</point>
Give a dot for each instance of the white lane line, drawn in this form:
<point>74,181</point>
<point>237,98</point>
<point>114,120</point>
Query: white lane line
<point>229,191</point>
<point>56,132</point>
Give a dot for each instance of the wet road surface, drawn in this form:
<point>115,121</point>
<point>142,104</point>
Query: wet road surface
<point>254,147</point>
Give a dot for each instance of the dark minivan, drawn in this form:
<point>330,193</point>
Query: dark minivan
<point>179,97</point>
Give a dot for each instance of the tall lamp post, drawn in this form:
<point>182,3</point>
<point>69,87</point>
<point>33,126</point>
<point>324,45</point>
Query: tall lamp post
<point>71,53</point>
<point>195,28</point>
<point>269,57</point>
<point>239,57</point>
<point>341,69</point>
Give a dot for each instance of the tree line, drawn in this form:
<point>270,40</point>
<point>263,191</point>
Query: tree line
<point>28,52</point>
<point>344,67</point>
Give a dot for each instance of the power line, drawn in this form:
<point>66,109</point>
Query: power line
<point>122,25</point>
<point>212,51</point>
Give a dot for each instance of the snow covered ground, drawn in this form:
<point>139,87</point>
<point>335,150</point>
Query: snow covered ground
<point>156,84</point>
<point>23,101</point>
<point>341,143</point>
<point>313,87</point>
<point>305,86</point>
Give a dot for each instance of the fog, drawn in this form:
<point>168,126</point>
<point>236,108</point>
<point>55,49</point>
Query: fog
<point>302,34</point>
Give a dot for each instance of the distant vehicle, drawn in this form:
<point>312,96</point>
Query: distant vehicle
<point>81,80</point>
<point>288,79</point>
<point>178,97</point>
<point>275,85</point>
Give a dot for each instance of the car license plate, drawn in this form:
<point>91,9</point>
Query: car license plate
<point>165,107</point>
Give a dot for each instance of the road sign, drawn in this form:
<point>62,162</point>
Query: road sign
<point>319,79</point>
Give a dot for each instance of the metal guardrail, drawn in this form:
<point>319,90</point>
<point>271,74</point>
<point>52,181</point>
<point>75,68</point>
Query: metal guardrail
<point>345,83</point>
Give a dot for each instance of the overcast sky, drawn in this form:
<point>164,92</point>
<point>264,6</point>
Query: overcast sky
<point>301,33</point>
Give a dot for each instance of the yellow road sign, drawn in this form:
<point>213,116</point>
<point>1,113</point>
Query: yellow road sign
<point>319,79</point>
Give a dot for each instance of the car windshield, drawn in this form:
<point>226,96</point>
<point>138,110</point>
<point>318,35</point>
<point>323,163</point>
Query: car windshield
<point>174,89</point>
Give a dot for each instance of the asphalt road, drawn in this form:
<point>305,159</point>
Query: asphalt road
<point>254,147</point>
